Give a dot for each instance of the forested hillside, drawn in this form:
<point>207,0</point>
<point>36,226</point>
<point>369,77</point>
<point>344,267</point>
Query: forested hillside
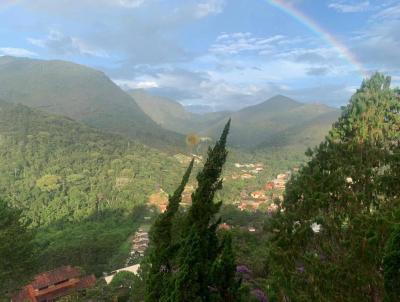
<point>82,93</point>
<point>81,190</point>
<point>55,168</point>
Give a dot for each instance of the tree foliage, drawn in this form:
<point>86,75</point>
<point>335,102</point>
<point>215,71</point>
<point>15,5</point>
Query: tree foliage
<point>162,246</point>
<point>202,266</point>
<point>17,261</point>
<point>328,241</point>
<point>391,266</point>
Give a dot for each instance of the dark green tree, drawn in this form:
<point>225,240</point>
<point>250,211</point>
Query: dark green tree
<point>327,243</point>
<point>391,266</point>
<point>202,255</point>
<point>224,273</point>
<point>162,248</point>
<point>16,251</point>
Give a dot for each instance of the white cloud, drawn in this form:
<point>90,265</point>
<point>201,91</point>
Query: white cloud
<point>16,52</point>
<point>131,84</point>
<point>128,3</point>
<point>235,43</point>
<point>62,44</point>
<point>378,44</point>
<point>350,7</point>
<point>209,7</point>
<point>391,12</point>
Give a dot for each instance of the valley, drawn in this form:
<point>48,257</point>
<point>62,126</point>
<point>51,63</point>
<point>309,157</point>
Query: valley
<point>76,178</point>
<point>92,186</point>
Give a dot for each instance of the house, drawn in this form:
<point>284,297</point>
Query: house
<point>280,181</point>
<point>242,207</point>
<point>258,195</point>
<point>282,176</point>
<point>246,176</point>
<point>52,285</point>
<point>269,186</point>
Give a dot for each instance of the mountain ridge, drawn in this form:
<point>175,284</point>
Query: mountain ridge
<point>81,93</point>
<point>253,127</point>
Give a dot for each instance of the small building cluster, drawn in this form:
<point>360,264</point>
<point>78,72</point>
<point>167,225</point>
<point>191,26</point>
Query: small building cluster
<point>159,199</point>
<point>185,160</point>
<point>53,285</point>
<point>279,183</point>
<point>248,171</point>
<point>140,243</point>
<point>266,198</point>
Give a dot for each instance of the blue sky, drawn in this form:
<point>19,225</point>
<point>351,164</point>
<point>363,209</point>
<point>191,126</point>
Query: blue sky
<point>211,54</point>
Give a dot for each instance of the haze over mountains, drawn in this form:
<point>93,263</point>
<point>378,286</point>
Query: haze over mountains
<point>89,96</point>
<point>277,122</point>
<point>80,93</point>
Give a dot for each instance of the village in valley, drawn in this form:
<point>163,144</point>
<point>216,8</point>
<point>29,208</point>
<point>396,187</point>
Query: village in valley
<point>266,197</point>
<point>259,191</point>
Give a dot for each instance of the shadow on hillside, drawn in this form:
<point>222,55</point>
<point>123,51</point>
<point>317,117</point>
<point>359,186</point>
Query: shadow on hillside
<point>97,244</point>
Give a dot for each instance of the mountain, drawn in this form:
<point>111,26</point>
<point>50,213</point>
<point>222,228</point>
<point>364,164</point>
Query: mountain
<point>173,116</point>
<point>279,122</point>
<point>307,134</point>
<point>81,93</point>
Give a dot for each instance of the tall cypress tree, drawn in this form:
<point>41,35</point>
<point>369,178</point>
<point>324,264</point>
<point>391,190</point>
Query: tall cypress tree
<point>202,254</point>
<point>223,273</point>
<point>161,244</point>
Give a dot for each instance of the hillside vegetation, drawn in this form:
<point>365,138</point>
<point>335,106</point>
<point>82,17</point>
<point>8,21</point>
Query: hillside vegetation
<point>81,93</point>
<point>56,168</point>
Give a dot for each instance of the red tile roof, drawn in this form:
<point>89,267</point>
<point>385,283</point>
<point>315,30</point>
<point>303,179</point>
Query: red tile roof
<point>54,276</point>
<point>54,284</point>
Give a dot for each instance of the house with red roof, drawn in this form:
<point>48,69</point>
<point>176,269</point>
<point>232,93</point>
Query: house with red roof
<point>52,285</point>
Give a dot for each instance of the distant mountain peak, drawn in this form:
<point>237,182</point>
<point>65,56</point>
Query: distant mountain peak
<point>282,99</point>
<point>81,93</point>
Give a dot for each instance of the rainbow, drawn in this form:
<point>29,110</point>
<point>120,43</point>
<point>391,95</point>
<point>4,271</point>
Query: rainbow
<point>298,15</point>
